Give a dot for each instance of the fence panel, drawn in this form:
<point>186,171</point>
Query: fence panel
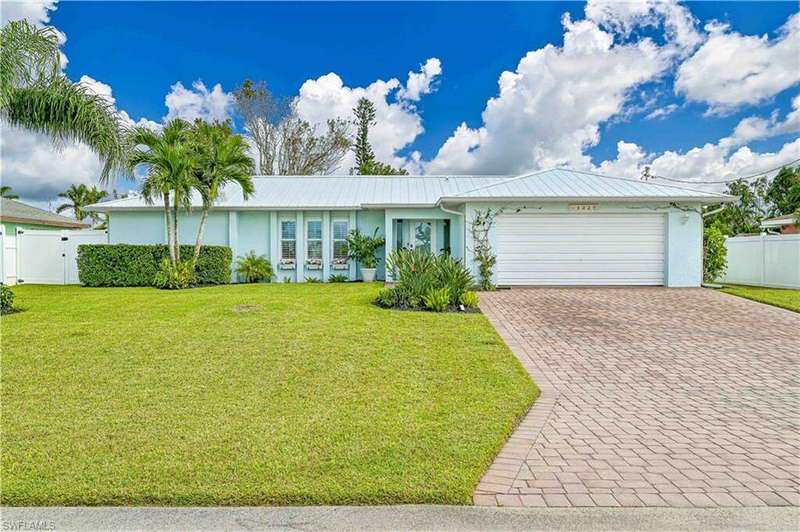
<point>48,257</point>
<point>764,260</point>
<point>9,252</point>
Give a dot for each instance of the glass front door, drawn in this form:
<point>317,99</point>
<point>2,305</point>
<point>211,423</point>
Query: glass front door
<point>415,234</point>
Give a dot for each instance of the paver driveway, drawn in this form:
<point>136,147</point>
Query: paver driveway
<point>650,397</point>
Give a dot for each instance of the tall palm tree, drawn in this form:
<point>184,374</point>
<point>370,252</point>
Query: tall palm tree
<point>222,157</point>
<point>35,95</point>
<point>79,197</point>
<point>5,192</point>
<point>168,161</point>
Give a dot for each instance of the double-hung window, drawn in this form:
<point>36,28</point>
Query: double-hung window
<point>288,239</point>
<point>314,240</point>
<point>340,229</point>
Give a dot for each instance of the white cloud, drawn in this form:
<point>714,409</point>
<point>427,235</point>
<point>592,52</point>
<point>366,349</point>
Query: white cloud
<point>398,123</point>
<point>731,69</point>
<point>38,170</point>
<point>35,11</point>
<point>198,102</point>
<point>551,107</point>
<point>680,26</point>
<point>662,112</point>
<point>421,82</point>
<point>725,159</point>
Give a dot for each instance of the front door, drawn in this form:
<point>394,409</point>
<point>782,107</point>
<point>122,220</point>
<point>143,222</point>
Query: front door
<point>415,234</point>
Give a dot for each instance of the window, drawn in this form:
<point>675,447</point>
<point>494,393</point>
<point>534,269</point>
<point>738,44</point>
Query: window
<point>288,239</point>
<point>314,240</point>
<point>340,229</point>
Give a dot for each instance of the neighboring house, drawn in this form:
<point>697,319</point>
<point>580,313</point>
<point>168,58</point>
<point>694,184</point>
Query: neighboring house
<point>786,224</point>
<point>17,215</point>
<point>558,227</point>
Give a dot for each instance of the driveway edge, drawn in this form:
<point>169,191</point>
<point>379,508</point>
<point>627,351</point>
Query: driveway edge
<point>497,486</point>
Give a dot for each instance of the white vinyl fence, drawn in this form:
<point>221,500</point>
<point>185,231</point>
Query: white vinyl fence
<point>45,257</point>
<point>764,260</point>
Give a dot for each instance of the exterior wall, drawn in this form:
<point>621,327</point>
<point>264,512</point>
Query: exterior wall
<point>790,229</point>
<point>136,227</point>
<point>367,222</point>
<point>684,229</point>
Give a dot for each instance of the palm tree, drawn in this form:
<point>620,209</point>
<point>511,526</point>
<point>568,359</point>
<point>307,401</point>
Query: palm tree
<point>79,197</point>
<point>35,95</point>
<point>168,161</point>
<point>5,192</point>
<point>222,157</point>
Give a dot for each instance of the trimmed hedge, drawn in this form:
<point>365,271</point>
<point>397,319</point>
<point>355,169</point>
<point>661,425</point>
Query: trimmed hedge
<point>136,265</point>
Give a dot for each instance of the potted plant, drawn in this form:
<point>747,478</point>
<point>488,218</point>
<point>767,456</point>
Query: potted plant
<point>362,248</point>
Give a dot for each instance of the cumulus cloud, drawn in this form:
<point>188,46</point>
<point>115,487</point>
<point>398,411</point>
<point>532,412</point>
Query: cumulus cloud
<point>725,159</point>
<point>35,11</point>
<point>398,122</point>
<point>662,112</point>
<point>550,108</point>
<point>421,82</point>
<point>624,18</point>
<point>198,102</point>
<point>731,69</point>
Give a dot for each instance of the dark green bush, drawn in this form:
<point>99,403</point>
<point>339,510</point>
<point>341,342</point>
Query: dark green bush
<point>422,276</point>
<point>137,265</point>
<point>338,278</point>
<point>6,299</point>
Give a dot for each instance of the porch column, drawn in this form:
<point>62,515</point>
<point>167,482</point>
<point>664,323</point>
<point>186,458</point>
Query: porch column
<point>352,225</point>
<point>300,248</point>
<point>327,245</point>
<point>274,239</point>
<point>388,230</point>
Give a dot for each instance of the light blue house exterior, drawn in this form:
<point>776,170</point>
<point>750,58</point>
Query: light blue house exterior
<point>591,229</point>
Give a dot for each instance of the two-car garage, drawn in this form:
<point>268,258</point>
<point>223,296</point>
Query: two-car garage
<point>580,249</point>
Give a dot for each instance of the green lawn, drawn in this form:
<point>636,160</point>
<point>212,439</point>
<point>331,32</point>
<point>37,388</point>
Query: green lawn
<point>779,297</point>
<point>313,396</point>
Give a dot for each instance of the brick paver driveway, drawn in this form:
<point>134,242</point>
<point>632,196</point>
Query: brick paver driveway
<point>650,397</point>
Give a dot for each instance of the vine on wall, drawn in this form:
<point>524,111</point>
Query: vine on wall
<point>482,251</point>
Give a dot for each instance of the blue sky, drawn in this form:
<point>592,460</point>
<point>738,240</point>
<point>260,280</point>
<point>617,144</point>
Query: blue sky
<point>141,50</point>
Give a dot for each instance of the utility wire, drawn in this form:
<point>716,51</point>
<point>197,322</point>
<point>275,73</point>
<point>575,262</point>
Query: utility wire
<point>646,175</point>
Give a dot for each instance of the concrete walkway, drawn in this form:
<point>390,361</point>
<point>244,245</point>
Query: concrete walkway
<point>399,518</point>
<point>651,397</point>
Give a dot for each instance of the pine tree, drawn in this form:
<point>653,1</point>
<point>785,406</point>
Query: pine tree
<point>365,158</point>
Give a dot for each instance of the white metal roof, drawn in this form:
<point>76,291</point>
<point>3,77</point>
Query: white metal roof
<point>779,221</point>
<point>558,184</point>
<point>359,192</point>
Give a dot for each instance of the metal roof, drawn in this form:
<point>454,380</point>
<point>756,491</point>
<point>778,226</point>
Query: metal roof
<point>359,192</point>
<point>558,184</point>
<point>779,221</point>
<point>18,212</point>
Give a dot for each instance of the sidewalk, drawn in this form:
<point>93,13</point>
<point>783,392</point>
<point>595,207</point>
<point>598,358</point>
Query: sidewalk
<point>399,518</point>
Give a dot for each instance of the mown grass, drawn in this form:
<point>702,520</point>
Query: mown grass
<point>778,297</point>
<point>248,395</point>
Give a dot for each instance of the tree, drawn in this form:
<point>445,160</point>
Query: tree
<point>35,95</point>
<point>221,158</point>
<point>745,214</point>
<point>79,197</point>
<point>715,253</point>
<point>366,164</point>
<point>5,192</point>
<point>168,160</point>
<point>783,193</point>
<point>285,143</point>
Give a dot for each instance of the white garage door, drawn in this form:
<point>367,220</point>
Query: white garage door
<point>580,249</point>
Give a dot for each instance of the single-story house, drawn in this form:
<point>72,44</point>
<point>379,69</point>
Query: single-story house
<point>786,224</point>
<point>17,215</point>
<point>555,227</point>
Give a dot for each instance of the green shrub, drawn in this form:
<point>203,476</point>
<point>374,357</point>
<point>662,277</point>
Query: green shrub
<point>177,277</point>
<point>313,280</point>
<point>254,268</point>
<point>451,273</point>
<point>437,299</point>
<point>419,272</point>
<point>715,254</point>
<point>387,298</point>
<point>6,300</point>
<point>362,248</point>
<point>338,278</point>
<point>137,265</point>
<point>469,299</point>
